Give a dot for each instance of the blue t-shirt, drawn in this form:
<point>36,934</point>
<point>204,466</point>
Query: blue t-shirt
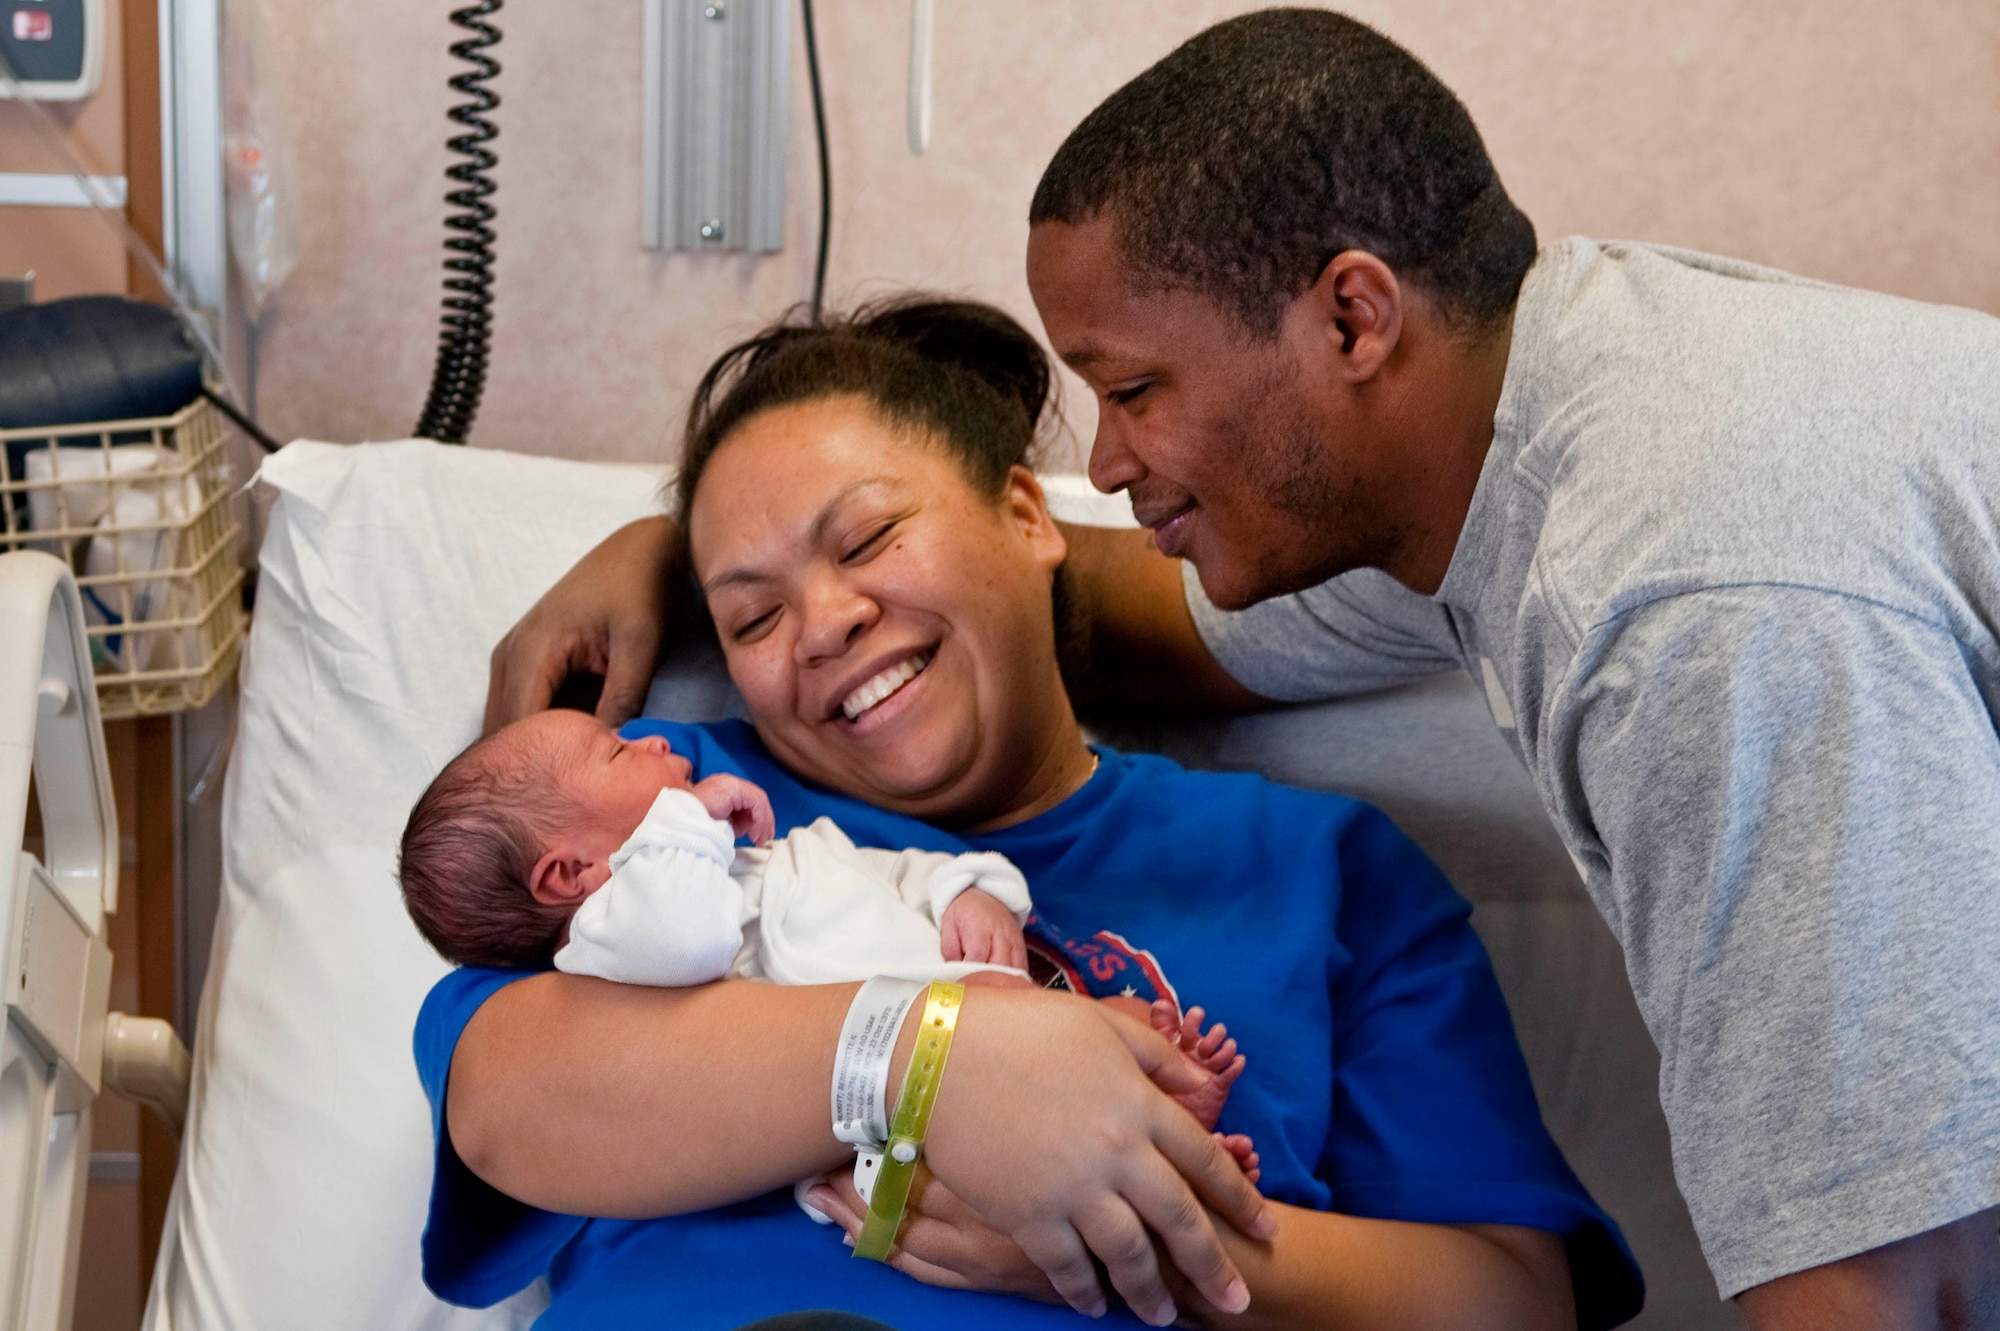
<point>1383,1079</point>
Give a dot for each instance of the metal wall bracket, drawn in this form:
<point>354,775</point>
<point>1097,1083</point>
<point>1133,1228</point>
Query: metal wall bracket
<point>717,92</point>
<point>196,237</point>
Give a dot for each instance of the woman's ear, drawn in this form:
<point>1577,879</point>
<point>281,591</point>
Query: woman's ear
<point>557,878</point>
<point>1026,507</point>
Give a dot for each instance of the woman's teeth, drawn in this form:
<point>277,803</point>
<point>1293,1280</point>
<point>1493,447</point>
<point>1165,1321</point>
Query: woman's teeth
<point>884,684</point>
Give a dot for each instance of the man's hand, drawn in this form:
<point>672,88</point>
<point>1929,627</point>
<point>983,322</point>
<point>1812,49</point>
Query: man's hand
<point>976,927</point>
<point>607,616</point>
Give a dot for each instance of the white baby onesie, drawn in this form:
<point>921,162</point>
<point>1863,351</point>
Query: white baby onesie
<point>684,906</point>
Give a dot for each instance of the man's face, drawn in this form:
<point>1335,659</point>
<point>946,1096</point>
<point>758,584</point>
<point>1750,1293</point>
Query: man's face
<point>1237,452</point>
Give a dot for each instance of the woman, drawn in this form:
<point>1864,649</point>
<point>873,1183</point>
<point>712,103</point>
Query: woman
<point>858,512</point>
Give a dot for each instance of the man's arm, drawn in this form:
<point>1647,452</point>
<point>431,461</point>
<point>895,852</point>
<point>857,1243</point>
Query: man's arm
<point>1946,1279</point>
<point>1130,639</point>
<point>1790,801</point>
<point>607,616</point>
<point>1132,642</point>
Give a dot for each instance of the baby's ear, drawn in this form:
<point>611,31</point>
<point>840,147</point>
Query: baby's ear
<point>557,879</point>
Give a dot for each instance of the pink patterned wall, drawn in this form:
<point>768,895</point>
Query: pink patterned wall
<point>1853,140</point>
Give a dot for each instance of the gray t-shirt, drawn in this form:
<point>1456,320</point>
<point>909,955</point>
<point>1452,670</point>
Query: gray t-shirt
<point>1731,583</point>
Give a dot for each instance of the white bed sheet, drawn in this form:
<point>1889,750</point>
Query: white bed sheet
<point>388,571</point>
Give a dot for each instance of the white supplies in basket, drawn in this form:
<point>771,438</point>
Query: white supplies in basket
<point>142,512</point>
<point>136,500</point>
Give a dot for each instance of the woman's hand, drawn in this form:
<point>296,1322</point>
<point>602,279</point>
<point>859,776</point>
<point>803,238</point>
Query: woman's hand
<point>1048,1124</point>
<point>607,616</point>
<point>944,1242</point>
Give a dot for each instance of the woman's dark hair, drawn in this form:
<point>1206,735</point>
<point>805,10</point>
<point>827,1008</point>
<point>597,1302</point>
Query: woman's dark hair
<point>1245,160</point>
<point>962,373</point>
<point>965,374</point>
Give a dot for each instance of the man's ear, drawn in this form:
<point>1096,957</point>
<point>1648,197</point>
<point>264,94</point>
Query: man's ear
<point>557,878</point>
<point>1027,507</point>
<point>1351,317</point>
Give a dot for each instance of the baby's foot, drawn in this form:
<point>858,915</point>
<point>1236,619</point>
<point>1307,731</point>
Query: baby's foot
<point>1212,1051</point>
<point>1240,1146</point>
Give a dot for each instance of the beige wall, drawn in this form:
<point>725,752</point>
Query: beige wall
<point>1855,140</point>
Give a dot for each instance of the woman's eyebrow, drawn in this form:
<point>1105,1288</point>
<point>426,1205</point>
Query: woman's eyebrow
<point>815,535</point>
<point>832,508</point>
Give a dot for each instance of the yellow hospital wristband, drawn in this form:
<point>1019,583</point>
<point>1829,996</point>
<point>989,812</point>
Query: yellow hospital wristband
<point>912,1121</point>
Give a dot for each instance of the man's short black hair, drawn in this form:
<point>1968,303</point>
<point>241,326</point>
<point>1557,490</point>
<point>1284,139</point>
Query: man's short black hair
<point>1244,161</point>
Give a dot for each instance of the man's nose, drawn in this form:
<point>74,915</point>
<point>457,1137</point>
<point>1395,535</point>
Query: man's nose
<point>835,614</point>
<point>1113,464</point>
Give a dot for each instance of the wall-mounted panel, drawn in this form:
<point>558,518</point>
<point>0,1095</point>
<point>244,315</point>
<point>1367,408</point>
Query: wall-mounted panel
<point>717,75</point>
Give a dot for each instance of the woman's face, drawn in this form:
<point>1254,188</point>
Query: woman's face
<point>889,626</point>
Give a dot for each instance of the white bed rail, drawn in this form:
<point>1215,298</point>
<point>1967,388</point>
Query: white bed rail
<point>57,978</point>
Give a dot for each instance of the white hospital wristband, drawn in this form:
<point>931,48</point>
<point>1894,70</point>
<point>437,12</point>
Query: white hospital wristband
<point>861,1060</point>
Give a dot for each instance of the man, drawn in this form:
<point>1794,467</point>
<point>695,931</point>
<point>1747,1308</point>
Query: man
<point>1719,545</point>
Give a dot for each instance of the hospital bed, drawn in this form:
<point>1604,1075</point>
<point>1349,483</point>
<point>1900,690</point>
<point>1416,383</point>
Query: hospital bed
<point>386,574</point>
<point>59,1046</point>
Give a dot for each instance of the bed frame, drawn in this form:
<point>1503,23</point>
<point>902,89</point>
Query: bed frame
<point>59,1046</point>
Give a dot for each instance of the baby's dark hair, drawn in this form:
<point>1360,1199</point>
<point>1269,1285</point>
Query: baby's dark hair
<point>966,374</point>
<point>467,855</point>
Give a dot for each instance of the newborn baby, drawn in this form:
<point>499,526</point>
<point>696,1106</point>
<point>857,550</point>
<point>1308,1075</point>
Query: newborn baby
<point>556,840</point>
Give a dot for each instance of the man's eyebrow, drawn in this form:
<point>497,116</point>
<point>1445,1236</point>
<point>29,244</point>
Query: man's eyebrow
<point>821,522</point>
<point>1089,353</point>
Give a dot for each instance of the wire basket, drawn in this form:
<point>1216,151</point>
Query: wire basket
<point>143,511</point>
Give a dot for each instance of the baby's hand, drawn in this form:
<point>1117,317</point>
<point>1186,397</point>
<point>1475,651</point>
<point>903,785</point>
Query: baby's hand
<point>976,927</point>
<point>741,804</point>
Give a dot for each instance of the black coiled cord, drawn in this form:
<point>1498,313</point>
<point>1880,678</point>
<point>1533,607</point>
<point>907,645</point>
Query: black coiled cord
<point>460,375</point>
<point>825,167</point>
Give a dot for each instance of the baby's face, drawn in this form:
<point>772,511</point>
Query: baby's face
<point>614,781</point>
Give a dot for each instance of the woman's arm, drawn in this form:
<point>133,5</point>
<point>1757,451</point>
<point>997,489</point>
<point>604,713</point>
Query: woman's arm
<point>1325,1269</point>
<point>582,1096</point>
<point>592,1098</point>
<point>1321,1270</point>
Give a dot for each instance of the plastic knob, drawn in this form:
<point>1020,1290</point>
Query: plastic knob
<point>52,698</point>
